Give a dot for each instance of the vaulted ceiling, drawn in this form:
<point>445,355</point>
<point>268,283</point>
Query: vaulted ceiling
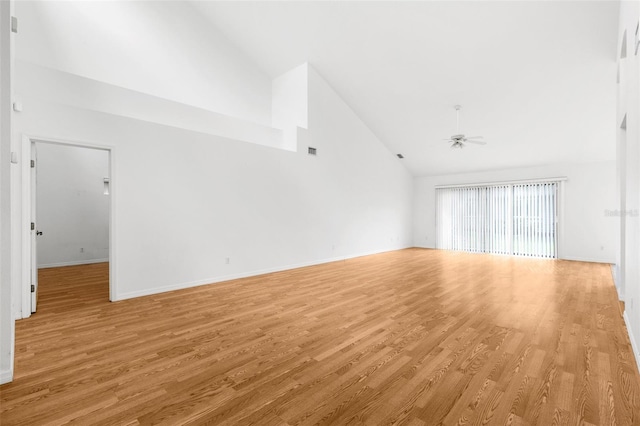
<point>537,79</point>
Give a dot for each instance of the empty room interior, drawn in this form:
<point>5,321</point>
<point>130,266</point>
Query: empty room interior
<point>319,212</point>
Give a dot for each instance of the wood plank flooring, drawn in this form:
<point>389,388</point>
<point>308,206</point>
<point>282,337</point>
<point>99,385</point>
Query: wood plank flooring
<point>415,337</point>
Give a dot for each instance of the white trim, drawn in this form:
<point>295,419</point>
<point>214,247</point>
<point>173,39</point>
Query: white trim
<point>73,263</point>
<point>25,283</point>
<point>112,224</point>
<point>426,246</point>
<point>219,279</point>
<point>65,142</point>
<point>569,258</point>
<point>615,268</point>
<point>586,259</point>
<point>506,182</point>
<point>634,344</point>
<point>25,276</point>
<point>6,376</point>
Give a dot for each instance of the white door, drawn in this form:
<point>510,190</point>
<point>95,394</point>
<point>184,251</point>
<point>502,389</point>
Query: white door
<point>34,230</point>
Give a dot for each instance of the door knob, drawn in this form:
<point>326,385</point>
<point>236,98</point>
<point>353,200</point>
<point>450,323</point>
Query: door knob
<point>38,232</point>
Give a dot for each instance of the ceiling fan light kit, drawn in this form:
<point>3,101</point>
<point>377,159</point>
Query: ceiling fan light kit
<point>459,140</point>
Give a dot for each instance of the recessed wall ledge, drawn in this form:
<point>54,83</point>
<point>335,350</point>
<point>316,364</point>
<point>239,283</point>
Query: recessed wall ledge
<point>61,87</point>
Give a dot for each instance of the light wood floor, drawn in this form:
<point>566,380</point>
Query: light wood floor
<point>418,337</point>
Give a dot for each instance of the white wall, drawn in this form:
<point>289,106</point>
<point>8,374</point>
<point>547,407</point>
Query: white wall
<point>7,325</point>
<point>290,104</point>
<point>57,86</point>
<point>628,281</point>
<point>192,200</point>
<point>198,174</point>
<point>72,210</point>
<point>586,233</point>
<point>162,48</point>
<point>185,201</point>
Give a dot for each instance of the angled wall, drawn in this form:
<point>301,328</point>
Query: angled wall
<point>162,48</point>
<point>203,192</point>
<point>204,187</point>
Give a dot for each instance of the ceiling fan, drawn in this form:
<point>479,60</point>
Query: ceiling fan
<point>459,140</point>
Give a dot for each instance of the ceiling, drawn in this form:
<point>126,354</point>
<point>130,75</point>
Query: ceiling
<point>536,79</point>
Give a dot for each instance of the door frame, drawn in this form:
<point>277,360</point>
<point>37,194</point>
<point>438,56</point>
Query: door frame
<point>27,248</point>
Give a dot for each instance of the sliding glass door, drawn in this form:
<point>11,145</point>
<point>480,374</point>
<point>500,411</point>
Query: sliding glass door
<point>534,220</point>
<point>518,219</point>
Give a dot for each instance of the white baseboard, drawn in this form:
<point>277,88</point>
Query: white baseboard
<point>587,259</point>
<point>616,284</point>
<point>214,280</point>
<point>6,376</point>
<point>573,258</point>
<point>634,344</point>
<point>73,263</point>
<point>424,245</point>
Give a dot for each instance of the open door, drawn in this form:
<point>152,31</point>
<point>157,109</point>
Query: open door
<point>34,230</point>
<point>36,167</point>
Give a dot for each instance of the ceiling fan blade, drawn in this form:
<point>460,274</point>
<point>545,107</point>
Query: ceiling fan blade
<point>476,142</point>
<point>475,137</point>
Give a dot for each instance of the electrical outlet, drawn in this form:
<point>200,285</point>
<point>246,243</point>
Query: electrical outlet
<point>81,249</point>
<point>227,260</point>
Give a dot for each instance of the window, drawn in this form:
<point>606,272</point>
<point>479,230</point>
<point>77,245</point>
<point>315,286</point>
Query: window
<point>519,219</point>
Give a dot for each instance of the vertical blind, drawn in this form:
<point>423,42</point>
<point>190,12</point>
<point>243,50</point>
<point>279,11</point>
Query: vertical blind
<point>518,219</point>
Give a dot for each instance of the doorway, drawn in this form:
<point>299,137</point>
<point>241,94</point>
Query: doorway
<point>68,206</point>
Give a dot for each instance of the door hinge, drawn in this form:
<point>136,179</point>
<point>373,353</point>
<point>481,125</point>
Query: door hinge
<point>33,226</point>
<point>33,163</point>
<point>14,24</point>
<point>33,288</point>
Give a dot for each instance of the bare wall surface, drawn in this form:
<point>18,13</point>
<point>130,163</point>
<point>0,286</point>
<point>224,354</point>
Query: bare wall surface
<point>7,325</point>
<point>72,209</point>
<point>192,208</point>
